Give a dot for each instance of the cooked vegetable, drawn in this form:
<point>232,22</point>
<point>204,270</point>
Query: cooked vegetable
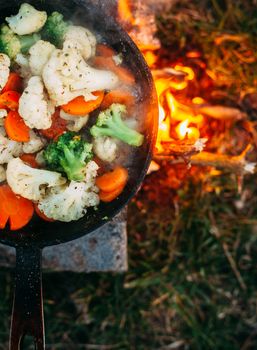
<point>10,100</point>
<point>3,114</point>
<point>67,76</point>
<point>29,159</point>
<point>79,106</point>
<point>12,44</point>
<point>112,180</point>
<point>14,208</point>
<point>104,50</point>
<point>110,196</point>
<point>74,124</point>
<point>14,83</point>
<point>109,63</point>
<point>4,70</point>
<point>39,56</point>
<point>110,123</point>
<point>105,148</point>
<point>31,183</point>
<point>15,127</point>
<point>69,154</point>
<point>8,148</point>
<point>118,96</point>
<point>69,202</point>
<point>34,107</point>
<point>2,173</point>
<point>57,128</point>
<point>55,28</point>
<point>41,214</point>
<point>23,67</point>
<point>28,20</point>
<point>35,143</point>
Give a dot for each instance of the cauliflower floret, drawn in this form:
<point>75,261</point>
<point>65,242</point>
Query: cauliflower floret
<point>2,173</point>
<point>81,39</point>
<point>4,69</point>
<point>35,143</point>
<point>23,63</point>
<point>28,20</point>
<point>105,148</point>
<point>3,114</point>
<point>34,107</point>
<point>74,123</point>
<point>40,159</point>
<point>67,76</point>
<point>39,55</point>
<point>8,148</point>
<point>31,183</point>
<point>68,203</point>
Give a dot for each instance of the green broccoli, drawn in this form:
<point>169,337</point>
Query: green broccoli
<point>12,44</point>
<point>69,154</point>
<point>55,29</point>
<point>110,123</point>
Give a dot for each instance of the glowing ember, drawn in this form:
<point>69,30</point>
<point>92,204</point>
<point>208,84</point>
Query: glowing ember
<point>125,12</point>
<point>184,131</point>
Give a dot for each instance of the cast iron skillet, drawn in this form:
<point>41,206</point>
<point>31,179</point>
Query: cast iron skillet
<point>27,317</point>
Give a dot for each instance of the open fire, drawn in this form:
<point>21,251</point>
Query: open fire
<point>188,122</point>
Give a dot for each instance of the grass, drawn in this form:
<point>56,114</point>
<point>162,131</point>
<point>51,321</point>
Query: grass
<point>192,281</point>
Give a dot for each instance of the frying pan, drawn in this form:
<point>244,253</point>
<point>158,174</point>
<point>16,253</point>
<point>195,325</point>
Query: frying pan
<point>27,314</point>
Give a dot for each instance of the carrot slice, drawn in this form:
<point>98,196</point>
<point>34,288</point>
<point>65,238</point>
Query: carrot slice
<point>110,196</point>
<point>17,209</point>
<point>10,99</point>
<point>58,127</point>
<point>30,159</point>
<point>114,179</point>
<point>15,127</point>
<point>14,83</point>
<point>79,106</point>
<point>108,63</point>
<point>117,96</point>
<point>42,215</point>
<point>104,50</point>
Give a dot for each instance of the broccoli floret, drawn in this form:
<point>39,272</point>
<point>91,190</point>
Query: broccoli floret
<point>69,154</point>
<point>12,44</point>
<point>55,29</point>
<point>110,123</point>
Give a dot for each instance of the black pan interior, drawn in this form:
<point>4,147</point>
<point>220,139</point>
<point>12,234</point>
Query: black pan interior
<point>92,15</point>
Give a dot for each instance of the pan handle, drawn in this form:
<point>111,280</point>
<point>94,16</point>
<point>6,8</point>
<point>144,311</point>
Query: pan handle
<point>27,314</point>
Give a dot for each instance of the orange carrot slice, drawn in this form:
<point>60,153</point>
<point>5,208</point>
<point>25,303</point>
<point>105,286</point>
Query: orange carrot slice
<point>114,179</point>
<point>10,99</point>
<point>58,127</point>
<point>79,106</point>
<point>108,63</point>
<point>30,159</point>
<point>16,209</point>
<point>14,83</point>
<point>42,215</point>
<point>110,196</point>
<point>117,96</point>
<point>15,127</point>
<point>104,50</point>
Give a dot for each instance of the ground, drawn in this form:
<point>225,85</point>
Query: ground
<point>192,279</point>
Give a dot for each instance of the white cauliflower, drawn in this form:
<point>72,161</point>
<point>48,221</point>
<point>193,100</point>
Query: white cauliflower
<point>23,63</point>
<point>68,203</point>
<point>39,55</point>
<point>2,173</point>
<point>4,69</point>
<point>105,148</point>
<point>31,183</point>
<point>34,107</point>
<point>3,114</point>
<point>75,123</point>
<point>27,21</point>
<point>67,76</point>
<point>8,148</point>
<point>35,143</point>
<point>81,39</point>
<point>40,159</point>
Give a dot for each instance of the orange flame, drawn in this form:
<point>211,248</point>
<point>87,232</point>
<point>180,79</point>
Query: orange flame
<point>125,12</point>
